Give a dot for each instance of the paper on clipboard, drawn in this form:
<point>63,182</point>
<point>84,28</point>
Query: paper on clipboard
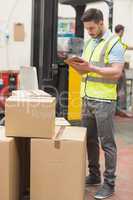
<point>74,59</point>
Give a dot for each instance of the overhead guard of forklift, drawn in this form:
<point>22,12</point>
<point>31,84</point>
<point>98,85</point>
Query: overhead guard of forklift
<point>77,2</point>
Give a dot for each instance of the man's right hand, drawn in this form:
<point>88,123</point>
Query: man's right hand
<point>81,67</point>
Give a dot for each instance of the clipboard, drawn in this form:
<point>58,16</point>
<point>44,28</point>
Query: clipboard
<point>74,59</point>
<point>75,63</point>
<point>19,32</point>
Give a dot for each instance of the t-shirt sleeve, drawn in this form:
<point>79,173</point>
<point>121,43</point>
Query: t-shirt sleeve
<point>117,54</point>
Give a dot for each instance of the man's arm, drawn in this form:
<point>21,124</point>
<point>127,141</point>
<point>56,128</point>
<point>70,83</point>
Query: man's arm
<point>116,60</point>
<point>113,72</point>
<point>129,48</point>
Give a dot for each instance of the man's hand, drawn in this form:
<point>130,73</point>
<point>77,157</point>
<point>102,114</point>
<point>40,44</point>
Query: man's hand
<point>81,66</point>
<point>113,72</point>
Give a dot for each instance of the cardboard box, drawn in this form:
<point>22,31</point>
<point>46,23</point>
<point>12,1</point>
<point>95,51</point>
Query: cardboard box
<point>30,117</point>
<point>9,168</point>
<point>60,121</point>
<point>30,93</point>
<point>58,167</point>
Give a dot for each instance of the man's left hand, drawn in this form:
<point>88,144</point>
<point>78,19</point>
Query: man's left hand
<point>82,68</point>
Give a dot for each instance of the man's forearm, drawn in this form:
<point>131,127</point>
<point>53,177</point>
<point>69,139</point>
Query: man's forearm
<point>107,72</point>
<point>129,48</point>
<point>112,73</point>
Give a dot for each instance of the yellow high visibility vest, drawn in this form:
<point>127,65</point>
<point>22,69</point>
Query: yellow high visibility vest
<point>125,46</point>
<point>94,85</point>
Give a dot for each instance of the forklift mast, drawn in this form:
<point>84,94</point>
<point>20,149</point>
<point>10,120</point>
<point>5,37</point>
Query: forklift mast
<point>44,37</point>
<point>44,32</point>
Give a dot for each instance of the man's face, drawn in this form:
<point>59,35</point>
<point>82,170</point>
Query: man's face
<point>121,33</point>
<point>94,29</point>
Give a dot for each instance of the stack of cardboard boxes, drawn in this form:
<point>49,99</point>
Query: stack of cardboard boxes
<point>9,168</point>
<point>58,150</point>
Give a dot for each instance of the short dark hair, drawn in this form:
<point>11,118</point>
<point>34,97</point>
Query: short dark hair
<point>119,27</point>
<point>92,14</point>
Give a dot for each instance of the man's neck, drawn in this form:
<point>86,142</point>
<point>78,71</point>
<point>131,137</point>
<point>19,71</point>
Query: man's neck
<point>102,33</point>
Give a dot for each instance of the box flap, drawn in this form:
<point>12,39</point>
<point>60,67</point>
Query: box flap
<point>70,133</point>
<point>60,121</point>
<point>2,135</point>
<point>31,93</point>
<point>31,99</point>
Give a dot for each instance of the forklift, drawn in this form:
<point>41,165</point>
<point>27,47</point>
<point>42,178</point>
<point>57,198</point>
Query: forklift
<point>54,75</point>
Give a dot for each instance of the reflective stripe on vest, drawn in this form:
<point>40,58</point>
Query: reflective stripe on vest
<point>94,85</point>
<point>100,80</point>
<point>125,46</point>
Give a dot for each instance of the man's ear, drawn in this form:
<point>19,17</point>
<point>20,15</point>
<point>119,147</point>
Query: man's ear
<point>100,23</point>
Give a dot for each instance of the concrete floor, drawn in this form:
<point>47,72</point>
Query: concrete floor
<point>124,181</point>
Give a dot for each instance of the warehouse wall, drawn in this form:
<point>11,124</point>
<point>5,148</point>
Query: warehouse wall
<point>14,53</point>
<point>66,11</point>
<point>18,53</point>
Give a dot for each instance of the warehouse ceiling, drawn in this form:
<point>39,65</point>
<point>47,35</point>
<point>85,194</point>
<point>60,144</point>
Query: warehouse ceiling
<point>77,2</point>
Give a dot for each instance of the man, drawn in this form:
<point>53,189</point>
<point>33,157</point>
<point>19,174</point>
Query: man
<point>121,100</point>
<point>103,65</point>
<point>119,30</point>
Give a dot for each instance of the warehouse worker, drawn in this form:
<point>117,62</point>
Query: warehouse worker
<point>121,100</point>
<point>119,30</point>
<point>103,65</point>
